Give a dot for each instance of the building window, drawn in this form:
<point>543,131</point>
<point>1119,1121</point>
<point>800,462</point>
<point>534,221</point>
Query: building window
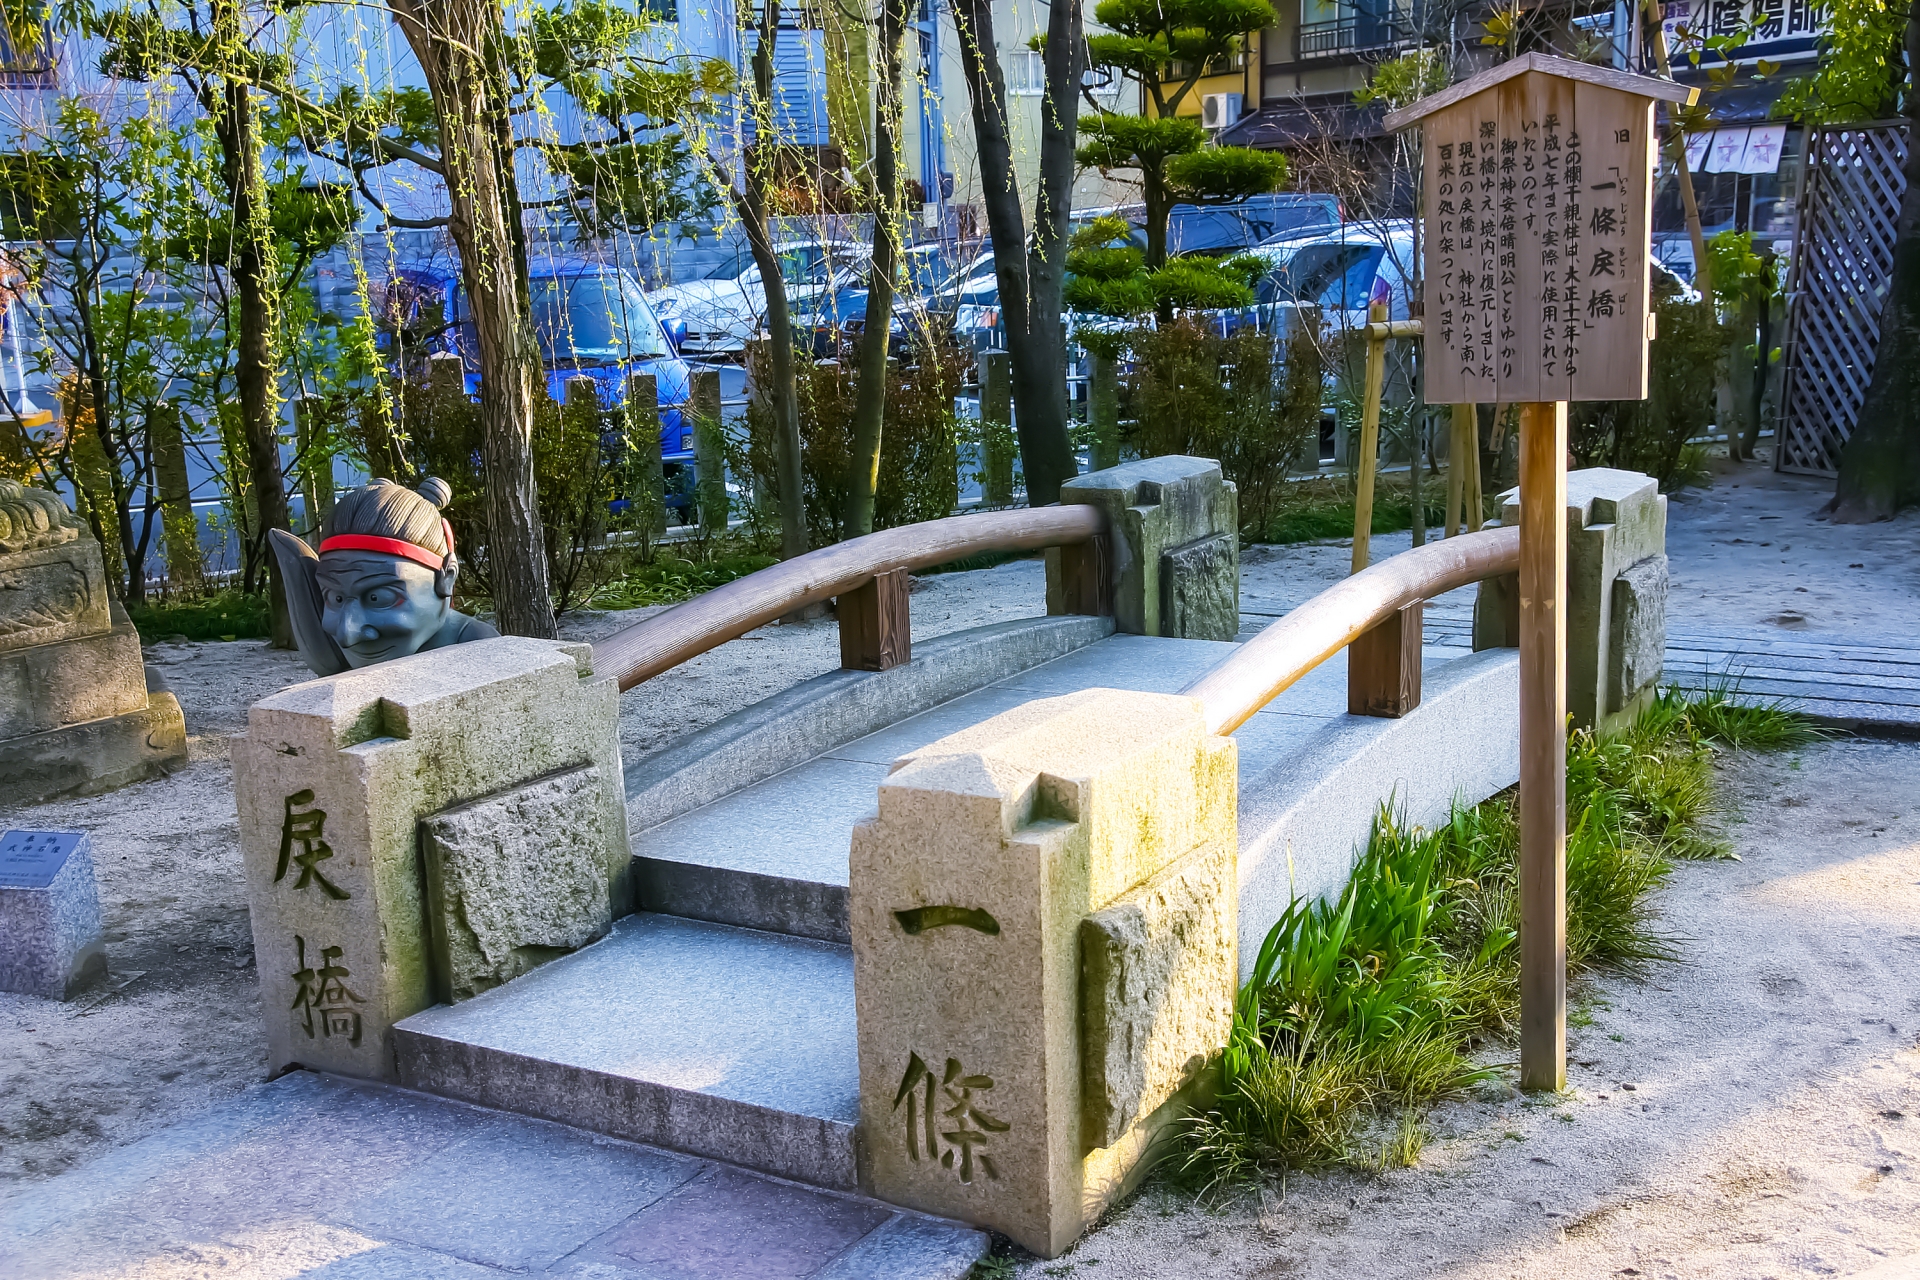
<point>1027,74</point>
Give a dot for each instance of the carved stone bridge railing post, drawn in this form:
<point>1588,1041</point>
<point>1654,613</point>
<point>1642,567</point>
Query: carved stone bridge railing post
<point>421,830</point>
<point>1044,933</point>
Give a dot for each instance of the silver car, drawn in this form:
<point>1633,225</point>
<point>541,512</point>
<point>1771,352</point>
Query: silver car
<point>728,308</point>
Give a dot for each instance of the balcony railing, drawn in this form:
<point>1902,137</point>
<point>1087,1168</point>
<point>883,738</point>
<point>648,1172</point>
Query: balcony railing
<point>1352,34</point>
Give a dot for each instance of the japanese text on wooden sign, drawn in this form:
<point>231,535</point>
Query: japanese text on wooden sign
<point>1537,196</point>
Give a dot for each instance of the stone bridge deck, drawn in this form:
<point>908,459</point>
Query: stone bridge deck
<point>720,1020</point>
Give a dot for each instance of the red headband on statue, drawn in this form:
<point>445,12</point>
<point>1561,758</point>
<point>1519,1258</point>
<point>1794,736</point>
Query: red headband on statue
<point>392,546</point>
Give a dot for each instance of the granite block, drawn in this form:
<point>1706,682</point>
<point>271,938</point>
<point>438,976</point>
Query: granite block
<point>1637,646</point>
<point>517,878</point>
<point>331,780</point>
<point>720,1042</point>
<point>1200,589</point>
<point>910,1245</point>
<point>53,593</point>
<point>1157,983</point>
<point>50,942</point>
<point>95,756</point>
<point>45,686</point>
<point>517,1194</point>
<point>728,1225</point>
<point>967,892</point>
<point>1153,505</point>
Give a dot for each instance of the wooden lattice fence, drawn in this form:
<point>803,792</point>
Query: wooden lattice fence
<point>1843,253</point>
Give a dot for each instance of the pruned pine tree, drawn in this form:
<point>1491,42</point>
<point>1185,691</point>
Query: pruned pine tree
<point>1164,46</point>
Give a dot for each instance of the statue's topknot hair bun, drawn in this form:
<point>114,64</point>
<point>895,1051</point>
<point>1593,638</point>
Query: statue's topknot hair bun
<point>436,491</point>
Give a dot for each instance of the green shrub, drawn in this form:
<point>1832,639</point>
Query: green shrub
<point>1368,1005</point>
<point>1650,436</point>
<point>1245,399</point>
<point>668,579</point>
<point>224,615</point>
<point>919,441</point>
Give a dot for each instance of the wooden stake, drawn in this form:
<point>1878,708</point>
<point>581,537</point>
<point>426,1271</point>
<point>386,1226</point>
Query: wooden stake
<point>1543,746</point>
<point>1369,436</point>
<point>1470,484</point>
<point>1459,443</point>
<point>875,626</point>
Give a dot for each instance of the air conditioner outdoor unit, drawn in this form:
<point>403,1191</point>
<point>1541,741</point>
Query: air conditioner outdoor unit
<point>1220,110</point>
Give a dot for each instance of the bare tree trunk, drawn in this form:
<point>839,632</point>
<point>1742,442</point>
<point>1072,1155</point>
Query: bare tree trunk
<point>459,44</point>
<point>750,202</point>
<point>1031,275</point>
<point>253,268</point>
<point>1880,467</point>
<point>870,397</point>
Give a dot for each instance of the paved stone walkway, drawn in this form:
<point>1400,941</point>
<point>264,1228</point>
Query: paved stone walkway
<point>330,1179</point>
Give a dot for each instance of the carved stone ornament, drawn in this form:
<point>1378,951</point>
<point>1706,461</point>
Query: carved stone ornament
<point>33,518</point>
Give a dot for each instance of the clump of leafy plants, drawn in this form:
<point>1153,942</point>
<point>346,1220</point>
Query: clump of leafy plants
<point>668,579</point>
<point>1365,1009</point>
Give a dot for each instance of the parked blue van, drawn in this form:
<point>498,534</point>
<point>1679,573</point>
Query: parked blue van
<point>590,318</point>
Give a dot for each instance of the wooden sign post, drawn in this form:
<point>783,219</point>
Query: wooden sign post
<point>1537,195</point>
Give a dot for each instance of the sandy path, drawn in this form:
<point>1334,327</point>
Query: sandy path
<point>1751,1111</point>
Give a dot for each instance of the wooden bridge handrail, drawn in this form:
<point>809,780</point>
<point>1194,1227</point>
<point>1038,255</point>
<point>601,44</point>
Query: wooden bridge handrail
<point>1265,666</point>
<point>668,639</point>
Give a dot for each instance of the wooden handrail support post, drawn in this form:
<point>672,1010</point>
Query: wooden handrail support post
<point>668,639</point>
<point>1267,665</point>
<point>1376,381</point>
<point>875,626</point>
<point>1383,665</point>
<point>1086,571</point>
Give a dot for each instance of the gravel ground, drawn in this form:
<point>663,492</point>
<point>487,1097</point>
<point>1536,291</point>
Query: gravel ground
<point>177,1026</point>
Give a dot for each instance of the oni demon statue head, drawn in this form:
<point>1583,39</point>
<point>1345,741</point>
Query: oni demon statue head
<point>381,586</point>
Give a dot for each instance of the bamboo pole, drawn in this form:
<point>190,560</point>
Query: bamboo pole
<point>1543,746</point>
<point>1369,433</point>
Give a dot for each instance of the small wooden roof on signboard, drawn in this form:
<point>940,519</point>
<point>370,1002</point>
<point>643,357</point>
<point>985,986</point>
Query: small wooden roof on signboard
<point>1565,68</point>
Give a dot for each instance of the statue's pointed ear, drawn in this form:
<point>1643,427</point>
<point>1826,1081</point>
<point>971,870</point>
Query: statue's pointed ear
<point>297,565</point>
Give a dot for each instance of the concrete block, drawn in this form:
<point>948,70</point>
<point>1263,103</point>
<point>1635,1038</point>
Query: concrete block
<point>1615,520</point>
<point>331,781</point>
<point>53,593</point>
<point>95,756</point>
<point>517,879</point>
<point>1638,643</point>
<point>1200,589</point>
<point>1157,983</point>
<point>45,686</point>
<point>967,893</point>
<point>1157,505</point>
<point>49,914</point>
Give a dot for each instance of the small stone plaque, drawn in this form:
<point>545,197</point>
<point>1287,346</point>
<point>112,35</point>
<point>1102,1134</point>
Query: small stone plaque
<point>49,914</point>
<point>31,859</point>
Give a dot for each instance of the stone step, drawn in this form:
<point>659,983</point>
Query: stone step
<point>773,855</point>
<point>720,1042</point>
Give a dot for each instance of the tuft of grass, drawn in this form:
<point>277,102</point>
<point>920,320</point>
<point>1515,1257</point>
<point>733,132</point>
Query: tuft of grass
<point>1360,1012</point>
<point>669,580</point>
<point>1718,715</point>
<point>225,615</point>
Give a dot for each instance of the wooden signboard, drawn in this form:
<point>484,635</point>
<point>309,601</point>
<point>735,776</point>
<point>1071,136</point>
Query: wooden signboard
<point>1537,192</point>
<point>1536,188</point>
